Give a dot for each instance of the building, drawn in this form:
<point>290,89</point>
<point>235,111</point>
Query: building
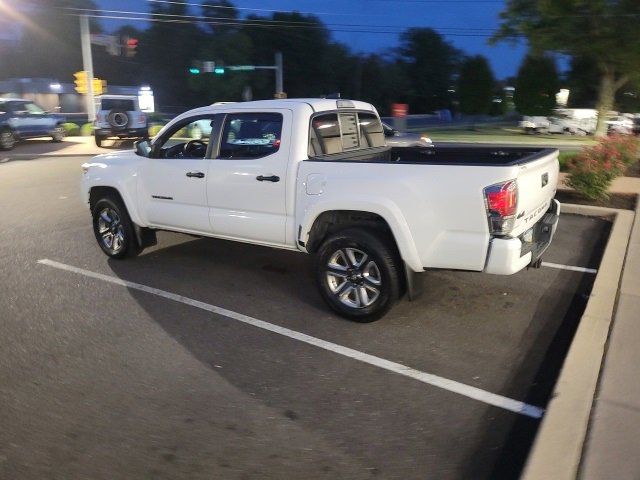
<point>62,97</point>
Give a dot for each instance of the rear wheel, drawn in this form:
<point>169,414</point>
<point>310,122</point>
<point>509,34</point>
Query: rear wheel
<point>7,139</point>
<point>358,274</point>
<point>99,140</point>
<point>113,228</point>
<point>58,134</point>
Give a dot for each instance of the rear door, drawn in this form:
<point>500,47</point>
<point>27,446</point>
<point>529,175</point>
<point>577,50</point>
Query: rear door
<point>246,187</point>
<point>537,183</point>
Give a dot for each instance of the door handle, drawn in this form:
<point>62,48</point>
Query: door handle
<point>272,178</point>
<point>195,174</point>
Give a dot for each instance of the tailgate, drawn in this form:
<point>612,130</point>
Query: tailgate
<point>537,183</point>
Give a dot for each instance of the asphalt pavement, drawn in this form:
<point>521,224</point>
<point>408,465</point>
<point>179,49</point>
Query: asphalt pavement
<point>100,379</point>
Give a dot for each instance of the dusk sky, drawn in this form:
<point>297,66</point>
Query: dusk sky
<point>465,23</point>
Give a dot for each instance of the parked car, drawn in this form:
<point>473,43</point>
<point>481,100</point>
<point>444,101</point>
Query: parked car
<point>395,138</point>
<point>315,175</point>
<point>620,125</point>
<point>534,124</point>
<point>119,116</point>
<point>21,119</point>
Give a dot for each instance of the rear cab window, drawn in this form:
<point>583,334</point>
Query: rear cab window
<point>120,104</point>
<point>250,135</point>
<point>342,132</point>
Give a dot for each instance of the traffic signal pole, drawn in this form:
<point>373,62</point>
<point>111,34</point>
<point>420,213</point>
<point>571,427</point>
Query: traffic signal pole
<point>279,74</point>
<point>87,62</point>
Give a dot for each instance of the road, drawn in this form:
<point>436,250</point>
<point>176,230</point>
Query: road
<point>104,379</point>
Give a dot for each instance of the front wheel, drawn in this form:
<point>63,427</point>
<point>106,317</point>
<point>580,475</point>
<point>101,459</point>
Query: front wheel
<point>358,274</point>
<point>7,139</point>
<point>113,228</point>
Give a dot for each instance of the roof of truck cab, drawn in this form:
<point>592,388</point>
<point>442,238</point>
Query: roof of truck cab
<point>317,104</point>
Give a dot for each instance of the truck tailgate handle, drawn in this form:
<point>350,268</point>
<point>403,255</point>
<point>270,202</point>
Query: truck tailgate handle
<point>195,174</point>
<point>271,178</point>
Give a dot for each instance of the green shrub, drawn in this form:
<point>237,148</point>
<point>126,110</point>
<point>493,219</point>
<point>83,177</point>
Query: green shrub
<point>594,168</point>
<point>564,158</point>
<point>71,129</point>
<point>86,130</point>
<point>154,129</point>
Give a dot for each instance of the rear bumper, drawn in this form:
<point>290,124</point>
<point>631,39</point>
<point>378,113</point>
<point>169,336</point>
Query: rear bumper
<point>124,133</point>
<point>510,255</point>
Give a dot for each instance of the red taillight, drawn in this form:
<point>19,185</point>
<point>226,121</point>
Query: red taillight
<point>142,118</point>
<point>501,201</point>
<point>502,198</point>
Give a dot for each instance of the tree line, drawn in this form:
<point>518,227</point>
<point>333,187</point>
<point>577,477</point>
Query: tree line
<point>425,70</point>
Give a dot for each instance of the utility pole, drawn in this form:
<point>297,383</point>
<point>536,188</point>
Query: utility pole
<point>279,74</point>
<point>87,62</point>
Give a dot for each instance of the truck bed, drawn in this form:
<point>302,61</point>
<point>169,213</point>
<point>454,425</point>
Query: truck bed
<point>469,156</point>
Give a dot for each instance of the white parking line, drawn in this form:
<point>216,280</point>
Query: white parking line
<point>569,267</point>
<point>428,378</point>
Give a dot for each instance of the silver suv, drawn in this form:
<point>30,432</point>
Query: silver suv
<point>119,116</point>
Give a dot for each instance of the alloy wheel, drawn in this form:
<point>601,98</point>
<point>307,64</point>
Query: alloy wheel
<point>111,230</point>
<point>353,277</point>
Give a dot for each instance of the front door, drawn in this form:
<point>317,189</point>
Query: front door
<point>246,185</point>
<point>172,185</point>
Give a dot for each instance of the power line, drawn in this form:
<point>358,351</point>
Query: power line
<point>196,19</point>
<point>191,4</point>
<point>250,25</point>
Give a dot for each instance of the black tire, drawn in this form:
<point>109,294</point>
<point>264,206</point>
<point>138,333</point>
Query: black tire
<point>99,140</point>
<point>344,295</point>
<point>120,226</point>
<point>58,134</point>
<point>7,139</point>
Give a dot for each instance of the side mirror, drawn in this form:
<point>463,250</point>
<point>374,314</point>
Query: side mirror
<point>390,133</point>
<point>143,148</point>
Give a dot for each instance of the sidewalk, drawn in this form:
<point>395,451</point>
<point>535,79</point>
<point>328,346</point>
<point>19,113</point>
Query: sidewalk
<point>612,444</point>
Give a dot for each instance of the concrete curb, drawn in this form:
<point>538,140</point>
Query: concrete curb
<point>558,447</point>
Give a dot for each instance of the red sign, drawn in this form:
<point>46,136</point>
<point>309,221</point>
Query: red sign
<point>399,109</point>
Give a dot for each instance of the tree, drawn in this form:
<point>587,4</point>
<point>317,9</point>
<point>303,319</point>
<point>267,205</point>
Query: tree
<point>431,63</point>
<point>536,86</point>
<point>476,86</point>
<point>604,30</point>
<point>167,51</point>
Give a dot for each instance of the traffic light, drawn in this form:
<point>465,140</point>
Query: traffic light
<point>130,47</point>
<point>194,71</point>
<point>99,86</point>
<point>218,70</point>
<point>81,81</point>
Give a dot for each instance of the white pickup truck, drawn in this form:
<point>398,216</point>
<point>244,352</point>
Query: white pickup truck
<point>315,175</point>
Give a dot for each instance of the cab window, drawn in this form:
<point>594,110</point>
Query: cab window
<point>187,139</point>
<point>33,109</point>
<point>250,135</point>
<point>333,133</point>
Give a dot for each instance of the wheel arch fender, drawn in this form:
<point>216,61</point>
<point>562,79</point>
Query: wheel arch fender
<point>312,228</point>
<point>95,192</point>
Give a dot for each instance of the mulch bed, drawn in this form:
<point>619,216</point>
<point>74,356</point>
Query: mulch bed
<point>633,170</point>
<point>625,201</point>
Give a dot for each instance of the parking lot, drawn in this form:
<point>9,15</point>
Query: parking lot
<point>209,359</point>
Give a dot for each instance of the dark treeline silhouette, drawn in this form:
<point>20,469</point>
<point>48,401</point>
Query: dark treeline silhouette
<point>422,71</point>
